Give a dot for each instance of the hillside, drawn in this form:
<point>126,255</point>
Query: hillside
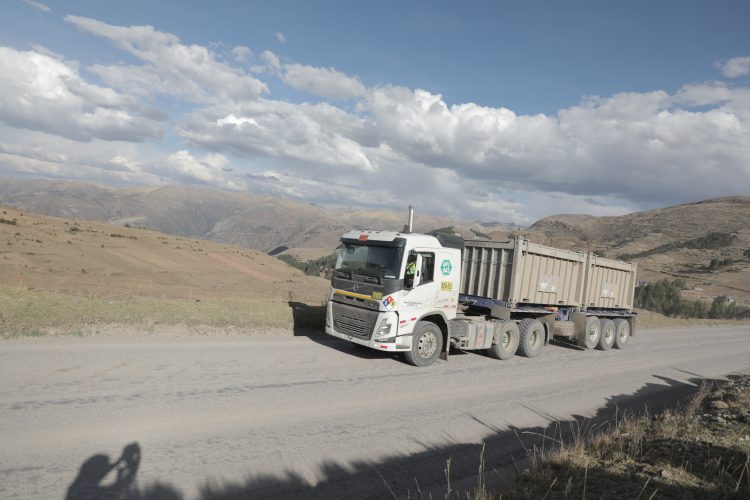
<point>682,241</point>
<point>667,242</point>
<point>259,222</point>
<point>92,259</point>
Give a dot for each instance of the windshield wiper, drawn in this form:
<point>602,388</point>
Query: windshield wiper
<point>344,273</point>
<point>369,276</point>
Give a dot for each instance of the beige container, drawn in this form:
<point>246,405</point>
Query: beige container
<point>517,271</point>
<point>609,283</point>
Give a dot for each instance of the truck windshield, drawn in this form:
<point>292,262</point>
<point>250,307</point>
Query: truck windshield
<point>369,260</point>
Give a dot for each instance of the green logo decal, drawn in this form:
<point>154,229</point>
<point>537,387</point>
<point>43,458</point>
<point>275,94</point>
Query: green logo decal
<point>446,267</point>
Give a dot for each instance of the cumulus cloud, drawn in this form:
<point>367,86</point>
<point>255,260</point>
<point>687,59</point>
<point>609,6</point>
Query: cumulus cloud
<point>41,157</point>
<point>40,92</point>
<point>735,67</point>
<point>325,82</point>
<point>704,94</point>
<point>208,169</point>
<point>272,61</point>
<point>280,37</point>
<point>192,72</point>
<point>241,53</point>
<point>603,155</point>
<point>319,134</point>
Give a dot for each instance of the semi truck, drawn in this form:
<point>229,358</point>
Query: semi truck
<point>421,295</point>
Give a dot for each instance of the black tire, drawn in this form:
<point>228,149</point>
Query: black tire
<point>427,344</point>
<point>607,335</point>
<point>589,337</point>
<point>622,333</point>
<point>531,338</point>
<point>508,341</point>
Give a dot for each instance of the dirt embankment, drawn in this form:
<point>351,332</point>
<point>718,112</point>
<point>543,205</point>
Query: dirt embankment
<point>701,450</point>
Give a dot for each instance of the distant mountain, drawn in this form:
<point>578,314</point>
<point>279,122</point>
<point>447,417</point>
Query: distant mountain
<point>259,222</point>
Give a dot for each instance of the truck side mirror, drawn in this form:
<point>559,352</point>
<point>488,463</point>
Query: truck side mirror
<point>411,272</point>
<point>417,274</point>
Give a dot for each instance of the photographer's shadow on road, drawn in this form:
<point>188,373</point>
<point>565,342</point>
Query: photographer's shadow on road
<point>98,479</point>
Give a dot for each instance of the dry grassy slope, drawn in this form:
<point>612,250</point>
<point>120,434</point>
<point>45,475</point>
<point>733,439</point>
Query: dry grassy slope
<point>84,258</point>
<point>259,222</point>
<point>642,231</point>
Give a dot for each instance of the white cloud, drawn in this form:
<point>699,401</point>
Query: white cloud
<point>237,122</point>
<point>242,53</point>
<point>191,72</point>
<point>33,154</point>
<point>208,169</point>
<point>735,67</point>
<point>272,60</point>
<point>703,94</point>
<point>280,37</point>
<point>605,155</point>
<point>41,92</point>
<point>37,5</point>
<point>325,82</point>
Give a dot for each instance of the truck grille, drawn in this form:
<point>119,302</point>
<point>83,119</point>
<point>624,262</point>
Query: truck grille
<point>354,321</point>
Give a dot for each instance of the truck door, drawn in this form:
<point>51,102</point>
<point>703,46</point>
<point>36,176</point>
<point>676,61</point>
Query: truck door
<point>423,294</point>
<point>447,277</point>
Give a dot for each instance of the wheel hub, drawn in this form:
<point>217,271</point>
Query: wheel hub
<point>427,345</point>
<point>506,340</point>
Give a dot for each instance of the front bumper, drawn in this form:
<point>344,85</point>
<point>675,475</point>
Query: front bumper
<point>402,343</point>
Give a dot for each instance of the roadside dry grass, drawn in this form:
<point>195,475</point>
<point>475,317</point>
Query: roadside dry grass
<point>34,313</point>
<point>648,319</point>
<point>701,450</point>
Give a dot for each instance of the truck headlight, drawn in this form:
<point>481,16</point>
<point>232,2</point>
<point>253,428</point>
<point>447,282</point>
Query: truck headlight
<point>384,329</point>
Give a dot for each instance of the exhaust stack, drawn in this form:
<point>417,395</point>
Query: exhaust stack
<point>410,225</point>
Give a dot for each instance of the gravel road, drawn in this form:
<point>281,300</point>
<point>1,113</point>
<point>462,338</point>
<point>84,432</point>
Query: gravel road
<point>282,416</point>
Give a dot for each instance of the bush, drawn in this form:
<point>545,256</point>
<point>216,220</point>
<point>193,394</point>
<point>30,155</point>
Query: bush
<point>664,297</point>
<point>718,263</point>
<point>711,241</point>
<point>315,267</point>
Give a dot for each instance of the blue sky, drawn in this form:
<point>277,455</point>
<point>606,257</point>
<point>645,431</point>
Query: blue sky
<point>515,110</point>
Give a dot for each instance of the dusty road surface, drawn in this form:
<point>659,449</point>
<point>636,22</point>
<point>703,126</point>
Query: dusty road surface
<point>263,416</point>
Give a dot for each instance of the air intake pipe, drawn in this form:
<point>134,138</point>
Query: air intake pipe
<point>410,225</point>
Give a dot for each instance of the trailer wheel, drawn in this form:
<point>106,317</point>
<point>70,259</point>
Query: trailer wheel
<point>622,333</point>
<point>427,344</point>
<point>607,336</point>
<point>589,337</point>
<point>531,338</point>
<point>508,341</point>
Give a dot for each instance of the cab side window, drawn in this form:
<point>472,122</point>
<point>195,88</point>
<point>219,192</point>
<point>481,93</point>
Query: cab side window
<point>427,273</point>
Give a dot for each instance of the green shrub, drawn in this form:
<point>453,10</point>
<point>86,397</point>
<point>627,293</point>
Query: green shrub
<point>711,241</point>
<point>664,297</point>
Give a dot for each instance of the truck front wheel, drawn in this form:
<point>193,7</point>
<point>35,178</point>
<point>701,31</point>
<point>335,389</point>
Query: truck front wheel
<point>507,341</point>
<point>427,344</point>
<point>531,338</point>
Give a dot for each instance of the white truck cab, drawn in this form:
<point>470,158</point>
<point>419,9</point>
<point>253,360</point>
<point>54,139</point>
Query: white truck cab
<point>395,291</point>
